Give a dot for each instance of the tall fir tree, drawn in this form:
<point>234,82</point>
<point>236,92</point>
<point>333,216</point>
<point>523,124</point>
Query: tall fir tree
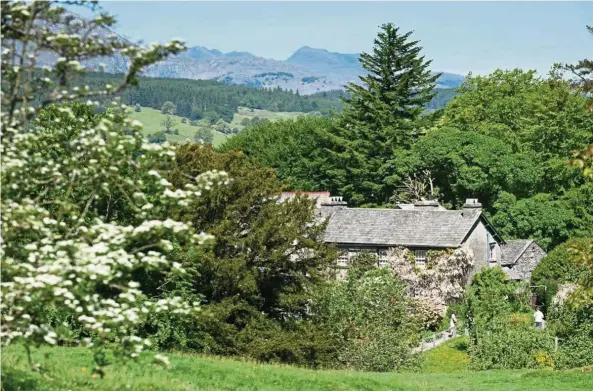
<point>383,112</point>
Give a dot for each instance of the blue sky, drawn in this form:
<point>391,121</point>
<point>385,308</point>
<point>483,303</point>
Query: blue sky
<point>458,36</point>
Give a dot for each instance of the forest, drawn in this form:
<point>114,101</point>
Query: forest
<point>126,250</point>
<point>204,99</point>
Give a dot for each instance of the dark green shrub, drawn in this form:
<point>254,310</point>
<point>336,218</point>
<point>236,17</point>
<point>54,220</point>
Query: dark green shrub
<point>558,267</point>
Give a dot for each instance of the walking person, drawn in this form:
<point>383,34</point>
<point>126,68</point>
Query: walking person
<point>539,319</point>
<point>453,325</point>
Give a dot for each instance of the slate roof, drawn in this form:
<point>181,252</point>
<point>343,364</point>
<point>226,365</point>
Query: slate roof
<point>401,227</point>
<point>513,249</point>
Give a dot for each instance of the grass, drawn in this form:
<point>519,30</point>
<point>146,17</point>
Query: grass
<point>68,369</point>
<point>152,118</point>
<point>449,357</point>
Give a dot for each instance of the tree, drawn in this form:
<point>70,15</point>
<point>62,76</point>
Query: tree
<point>137,108</point>
<point>204,136</point>
<point>168,123</point>
<point>558,267</point>
<point>169,108</point>
<point>523,110</point>
<point>84,205</point>
<point>183,120</point>
<point>267,259</point>
<point>369,319</point>
<point>383,111</point>
<point>157,138</point>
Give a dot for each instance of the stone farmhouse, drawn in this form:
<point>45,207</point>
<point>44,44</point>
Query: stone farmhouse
<point>422,227</point>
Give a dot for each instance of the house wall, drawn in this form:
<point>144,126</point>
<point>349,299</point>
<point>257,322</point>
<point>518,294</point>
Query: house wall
<point>528,261</point>
<point>477,241</point>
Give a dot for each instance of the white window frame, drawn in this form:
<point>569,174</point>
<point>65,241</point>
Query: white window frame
<point>420,257</point>
<point>382,257</point>
<point>343,259</point>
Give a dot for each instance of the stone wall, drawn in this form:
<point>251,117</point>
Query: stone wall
<point>528,261</point>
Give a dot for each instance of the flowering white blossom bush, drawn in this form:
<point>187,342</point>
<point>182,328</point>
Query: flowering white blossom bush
<point>437,284</point>
<point>84,204</point>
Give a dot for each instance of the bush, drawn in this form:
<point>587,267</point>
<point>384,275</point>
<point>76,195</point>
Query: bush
<point>157,138</point>
<point>368,319</point>
<point>558,267</point>
<point>183,120</point>
<point>511,344</point>
<point>137,108</point>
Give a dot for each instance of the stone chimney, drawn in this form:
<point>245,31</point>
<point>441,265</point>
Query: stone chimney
<point>334,202</point>
<point>329,206</point>
<point>472,203</point>
<point>426,204</point>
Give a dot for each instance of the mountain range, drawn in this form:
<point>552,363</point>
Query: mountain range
<point>308,70</point>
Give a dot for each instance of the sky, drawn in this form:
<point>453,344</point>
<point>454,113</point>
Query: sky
<point>458,36</point>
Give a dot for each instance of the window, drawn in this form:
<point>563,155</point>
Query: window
<point>352,253</point>
<point>382,255</point>
<point>343,259</point>
<point>420,258</point>
<point>491,252</point>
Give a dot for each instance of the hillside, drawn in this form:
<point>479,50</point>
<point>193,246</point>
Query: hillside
<point>197,99</point>
<point>151,119</point>
<point>70,370</point>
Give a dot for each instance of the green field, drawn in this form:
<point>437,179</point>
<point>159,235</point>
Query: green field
<point>151,118</point>
<point>69,369</point>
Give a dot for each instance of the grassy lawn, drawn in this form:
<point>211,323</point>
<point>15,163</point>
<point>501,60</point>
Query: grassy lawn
<point>152,118</point>
<point>68,369</point>
<point>449,357</point>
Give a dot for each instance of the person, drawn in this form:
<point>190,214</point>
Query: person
<point>453,325</point>
<point>539,319</point>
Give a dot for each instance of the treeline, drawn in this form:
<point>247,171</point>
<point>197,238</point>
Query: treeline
<point>197,99</point>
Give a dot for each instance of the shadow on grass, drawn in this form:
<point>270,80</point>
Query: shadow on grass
<point>18,380</point>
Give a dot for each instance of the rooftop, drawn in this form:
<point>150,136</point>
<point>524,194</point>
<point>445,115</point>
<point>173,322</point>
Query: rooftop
<point>421,227</point>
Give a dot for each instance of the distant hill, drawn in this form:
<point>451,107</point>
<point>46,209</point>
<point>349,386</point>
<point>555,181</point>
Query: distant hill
<point>325,62</point>
<point>202,53</point>
<point>308,70</point>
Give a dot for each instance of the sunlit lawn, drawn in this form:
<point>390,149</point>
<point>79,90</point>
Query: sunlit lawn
<point>69,369</point>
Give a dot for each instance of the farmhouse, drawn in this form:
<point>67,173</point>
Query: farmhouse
<point>422,227</point>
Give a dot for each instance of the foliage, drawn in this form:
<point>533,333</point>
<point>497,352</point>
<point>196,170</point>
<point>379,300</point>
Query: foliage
<point>488,297</point>
<point>191,372</point>
<point>204,136</point>
<point>367,318</point>
<point>258,276</point>
<point>574,326</point>
<point>583,72</point>
<point>512,345</point>
<point>515,107</point>
<point>197,99</point>
<point>466,164</point>
<point>157,138</point>
<point>559,266</point>
<point>301,151</point>
<point>168,108</point>
<point>438,284</point>
<point>137,108</point>
<point>169,123</point>
<point>382,112</point>
<point>84,206</point>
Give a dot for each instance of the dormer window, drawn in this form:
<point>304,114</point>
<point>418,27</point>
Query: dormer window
<point>420,258</point>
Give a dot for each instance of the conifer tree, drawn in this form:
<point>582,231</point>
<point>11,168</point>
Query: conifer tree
<point>383,110</point>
